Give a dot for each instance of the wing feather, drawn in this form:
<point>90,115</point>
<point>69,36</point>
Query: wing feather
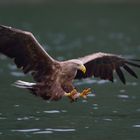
<point>130,71</point>
<point>121,75</point>
<point>103,65</point>
<point>25,50</point>
<point>133,64</point>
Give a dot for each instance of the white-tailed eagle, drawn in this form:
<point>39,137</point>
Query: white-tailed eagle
<point>54,78</point>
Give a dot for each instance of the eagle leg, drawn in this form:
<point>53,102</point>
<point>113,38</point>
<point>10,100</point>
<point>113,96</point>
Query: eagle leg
<point>73,95</point>
<point>85,92</point>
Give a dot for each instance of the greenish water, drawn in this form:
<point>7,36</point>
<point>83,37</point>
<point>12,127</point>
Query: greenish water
<point>70,31</point>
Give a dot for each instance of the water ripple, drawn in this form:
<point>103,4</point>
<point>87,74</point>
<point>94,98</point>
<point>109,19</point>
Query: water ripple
<point>107,119</point>
<point>17,74</point>
<point>25,130</point>
<point>122,91</point>
<point>27,118</point>
<point>44,131</point>
<point>138,110</point>
<point>3,118</point>
<point>61,130</point>
<point>12,67</point>
<point>90,81</point>
<point>122,96</point>
<point>54,111</point>
<point>136,126</point>
<point>51,111</point>
<point>16,105</point>
<point>132,83</point>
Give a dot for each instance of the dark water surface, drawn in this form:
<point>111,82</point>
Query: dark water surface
<point>70,31</point>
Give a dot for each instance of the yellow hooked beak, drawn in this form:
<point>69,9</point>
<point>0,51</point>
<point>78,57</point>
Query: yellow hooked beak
<point>83,69</point>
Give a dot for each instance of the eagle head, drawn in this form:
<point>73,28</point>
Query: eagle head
<point>78,65</point>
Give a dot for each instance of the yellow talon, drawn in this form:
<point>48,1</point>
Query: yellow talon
<point>72,93</point>
<point>85,92</point>
<point>68,94</point>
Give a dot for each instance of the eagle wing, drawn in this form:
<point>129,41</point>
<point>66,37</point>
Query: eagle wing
<point>25,50</point>
<point>103,65</point>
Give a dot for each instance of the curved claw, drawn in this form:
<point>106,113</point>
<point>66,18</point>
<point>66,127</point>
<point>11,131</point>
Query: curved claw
<point>85,92</point>
<point>73,95</point>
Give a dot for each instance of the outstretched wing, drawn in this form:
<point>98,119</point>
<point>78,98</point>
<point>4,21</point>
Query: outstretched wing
<point>103,65</point>
<point>25,50</point>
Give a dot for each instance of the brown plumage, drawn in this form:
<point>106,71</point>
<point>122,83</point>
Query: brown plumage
<point>54,78</point>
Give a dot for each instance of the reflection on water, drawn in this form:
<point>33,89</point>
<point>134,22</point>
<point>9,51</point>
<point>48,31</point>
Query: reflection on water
<point>66,32</point>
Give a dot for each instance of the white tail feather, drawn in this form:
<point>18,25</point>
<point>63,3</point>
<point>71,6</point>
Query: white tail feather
<point>23,84</point>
